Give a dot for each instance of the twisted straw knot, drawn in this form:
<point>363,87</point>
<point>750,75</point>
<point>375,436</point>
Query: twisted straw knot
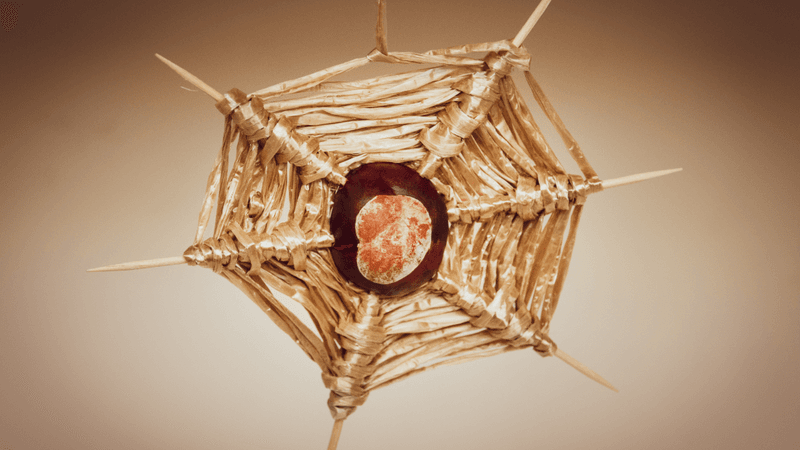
<point>288,244</point>
<point>479,86</point>
<point>471,302</point>
<point>543,345</point>
<point>458,122</point>
<point>460,118</point>
<point>482,208</point>
<point>429,164</point>
<point>346,394</point>
<point>552,192</point>
<point>580,189</point>
<point>482,308</point>
<point>440,140</point>
<point>255,205</point>
<point>504,61</point>
<point>303,152</point>
<point>321,167</point>
<point>523,330</point>
<point>520,330</point>
<point>248,114</point>
<point>470,211</point>
<point>362,337</point>
<point>215,254</point>
<point>594,185</point>
<point>531,199</point>
<point>445,284</point>
<point>486,312</point>
<point>378,56</point>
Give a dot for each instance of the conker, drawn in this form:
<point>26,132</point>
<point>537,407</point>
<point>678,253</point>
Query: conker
<point>390,228</point>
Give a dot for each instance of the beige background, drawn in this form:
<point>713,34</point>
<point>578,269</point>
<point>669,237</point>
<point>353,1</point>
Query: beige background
<point>683,291</point>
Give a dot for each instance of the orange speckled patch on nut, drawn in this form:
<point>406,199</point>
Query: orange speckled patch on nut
<point>394,234</point>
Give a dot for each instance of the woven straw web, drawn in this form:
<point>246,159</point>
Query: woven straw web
<point>458,121</point>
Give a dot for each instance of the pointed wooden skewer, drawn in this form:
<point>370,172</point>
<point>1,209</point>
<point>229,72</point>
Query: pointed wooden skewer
<point>335,433</point>
<point>583,369</point>
<point>175,260</point>
<point>630,179</point>
<point>380,30</point>
<point>197,82</point>
<point>146,264</point>
<point>537,13</point>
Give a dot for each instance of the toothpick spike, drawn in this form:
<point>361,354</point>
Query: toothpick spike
<point>583,369</point>
<point>197,82</point>
<point>537,13</point>
<point>630,179</point>
<point>380,30</point>
<point>134,265</point>
<point>335,433</point>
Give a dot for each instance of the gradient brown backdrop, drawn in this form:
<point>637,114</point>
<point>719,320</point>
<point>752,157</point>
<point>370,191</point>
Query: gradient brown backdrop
<point>683,291</point>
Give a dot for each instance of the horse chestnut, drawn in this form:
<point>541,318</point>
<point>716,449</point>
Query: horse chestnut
<point>390,228</point>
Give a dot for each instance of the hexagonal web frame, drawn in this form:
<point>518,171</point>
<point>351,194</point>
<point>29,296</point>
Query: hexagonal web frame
<point>463,125</point>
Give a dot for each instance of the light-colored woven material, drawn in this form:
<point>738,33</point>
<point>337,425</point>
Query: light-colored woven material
<point>461,123</point>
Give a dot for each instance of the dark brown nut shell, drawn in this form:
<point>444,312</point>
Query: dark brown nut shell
<point>365,183</point>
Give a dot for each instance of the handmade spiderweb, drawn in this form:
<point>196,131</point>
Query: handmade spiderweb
<point>288,201</point>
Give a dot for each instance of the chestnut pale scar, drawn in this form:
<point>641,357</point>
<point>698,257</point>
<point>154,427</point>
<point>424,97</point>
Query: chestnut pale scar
<point>394,233</point>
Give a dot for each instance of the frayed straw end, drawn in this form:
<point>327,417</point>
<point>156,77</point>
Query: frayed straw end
<point>583,369</point>
<point>134,265</point>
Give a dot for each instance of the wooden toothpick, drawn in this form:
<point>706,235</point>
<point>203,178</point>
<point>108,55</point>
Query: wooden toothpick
<point>583,369</point>
<point>197,82</point>
<point>134,265</point>
<point>380,30</point>
<point>630,179</point>
<point>335,433</point>
<point>537,13</point>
